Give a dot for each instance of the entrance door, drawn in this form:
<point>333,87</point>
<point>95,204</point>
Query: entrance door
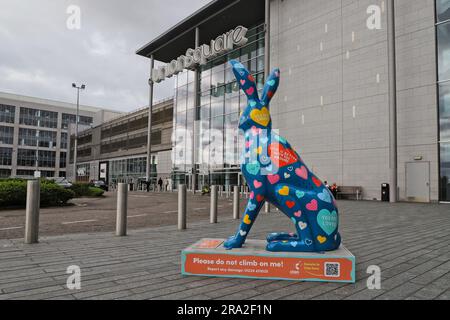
<point>418,181</point>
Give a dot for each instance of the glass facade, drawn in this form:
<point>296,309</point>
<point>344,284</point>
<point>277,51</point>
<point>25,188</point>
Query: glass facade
<point>6,135</point>
<point>68,119</point>
<point>38,118</point>
<point>5,173</point>
<point>32,138</point>
<point>26,158</point>
<point>443,38</point>
<point>130,170</point>
<point>7,113</point>
<point>6,156</point>
<point>216,116</point>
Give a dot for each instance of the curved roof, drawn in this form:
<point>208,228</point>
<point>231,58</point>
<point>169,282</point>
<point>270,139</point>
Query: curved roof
<point>215,18</point>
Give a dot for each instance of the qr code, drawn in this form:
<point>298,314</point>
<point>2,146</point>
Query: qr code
<point>333,270</point>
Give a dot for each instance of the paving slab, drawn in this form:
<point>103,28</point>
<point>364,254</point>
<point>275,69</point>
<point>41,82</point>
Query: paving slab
<point>409,242</point>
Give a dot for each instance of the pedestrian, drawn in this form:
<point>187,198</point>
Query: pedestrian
<point>160,182</point>
<point>334,189</point>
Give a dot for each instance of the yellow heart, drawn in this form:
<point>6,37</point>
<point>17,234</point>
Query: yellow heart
<point>284,191</point>
<point>259,150</point>
<point>247,219</point>
<point>321,239</point>
<point>261,117</point>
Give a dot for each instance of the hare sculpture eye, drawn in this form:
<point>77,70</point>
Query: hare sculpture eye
<point>277,174</point>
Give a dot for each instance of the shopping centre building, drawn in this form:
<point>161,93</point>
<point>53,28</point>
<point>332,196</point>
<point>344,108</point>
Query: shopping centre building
<point>364,94</point>
<point>34,134</point>
<point>116,150</point>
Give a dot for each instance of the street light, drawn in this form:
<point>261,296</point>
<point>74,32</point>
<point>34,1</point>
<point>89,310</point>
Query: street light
<point>75,149</point>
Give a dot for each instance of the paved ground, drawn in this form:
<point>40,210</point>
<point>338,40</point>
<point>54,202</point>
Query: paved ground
<point>410,243</point>
<point>98,214</point>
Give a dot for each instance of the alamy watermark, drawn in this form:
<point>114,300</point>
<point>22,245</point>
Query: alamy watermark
<point>74,280</point>
<point>73,22</point>
<point>374,281</point>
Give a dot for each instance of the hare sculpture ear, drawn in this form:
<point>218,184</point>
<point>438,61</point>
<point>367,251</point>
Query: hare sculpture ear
<point>245,79</point>
<point>271,86</point>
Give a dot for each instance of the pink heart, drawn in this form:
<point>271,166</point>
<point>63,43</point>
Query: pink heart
<point>250,91</point>
<point>252,195</point>
<point>302,172</point>
<point>242,82</point>
<point>298,214</point>
<point>312,206</point>
<point>273,178</point>
<point>248,144</point>
<point>257,184</point>
<point>256,131</point>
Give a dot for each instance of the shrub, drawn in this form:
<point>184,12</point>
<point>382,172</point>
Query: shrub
<point>86,190</point>
<point>13,193</point>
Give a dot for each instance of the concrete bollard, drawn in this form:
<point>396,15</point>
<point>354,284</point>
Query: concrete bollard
<point>182,207</point>
<point>267,207</point>
<point>213,205</point>
<point>236,208</point>
<point>122,207</point>
<point>32,212</point>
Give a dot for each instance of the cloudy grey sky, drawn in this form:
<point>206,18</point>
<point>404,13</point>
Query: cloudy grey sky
<point>41,57</point>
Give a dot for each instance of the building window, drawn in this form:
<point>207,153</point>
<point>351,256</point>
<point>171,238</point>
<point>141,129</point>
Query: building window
<point>26,158</point>
<point>25,173</point>
<point>68,119</point>
<point>47,139</point>
<point>63,140</point>
<point>7,113</point>
<point>5,173</point>
<point>47,174</point>
<point>443,44</point>
<point>83,170</point>
<point>29,117</point>
<point>6,156</point>
<point>63,160</point>
<point>47,159</point>
<point>443,10</point>
<point>62,174</point>
<point>38,118</point>
<point>6,135</point>
<point>27,137</point>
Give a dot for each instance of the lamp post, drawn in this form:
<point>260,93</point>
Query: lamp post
<point>75,149</point>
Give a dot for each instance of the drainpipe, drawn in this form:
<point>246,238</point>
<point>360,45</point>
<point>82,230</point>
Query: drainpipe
<point>392,102</point>
<point>149,126</point>
<point>267,41</point>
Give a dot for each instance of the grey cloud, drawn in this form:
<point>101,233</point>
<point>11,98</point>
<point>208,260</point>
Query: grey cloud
<point>41,57</point>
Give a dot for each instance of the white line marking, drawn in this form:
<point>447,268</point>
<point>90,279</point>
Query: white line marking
<point>12,228</point>
<point>74,222</point>
<point>171,211</point>
<point>199,209</point>
<point>138,215</point>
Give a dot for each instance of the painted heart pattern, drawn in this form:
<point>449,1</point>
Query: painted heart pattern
<point>313,205</point>
<point>261,117</point>
<point>328,221</point>
<point>253,168</point>
<point>273,178</point>
<point>281,156</point>
<point>325,196</point>
<point>277,174</point>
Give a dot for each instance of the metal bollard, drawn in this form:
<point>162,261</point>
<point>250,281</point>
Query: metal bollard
<point>122,207</point>
<point>213,205</point>
<point>32,212</point>
<point>236,203</point>
<point>267,207</point>
<point>182,207</point>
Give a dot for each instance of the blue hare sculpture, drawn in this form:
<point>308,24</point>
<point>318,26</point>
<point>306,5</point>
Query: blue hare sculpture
<point>276,173</point>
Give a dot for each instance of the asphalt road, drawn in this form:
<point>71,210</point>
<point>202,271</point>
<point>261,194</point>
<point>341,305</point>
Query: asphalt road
<point>99,214</point>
